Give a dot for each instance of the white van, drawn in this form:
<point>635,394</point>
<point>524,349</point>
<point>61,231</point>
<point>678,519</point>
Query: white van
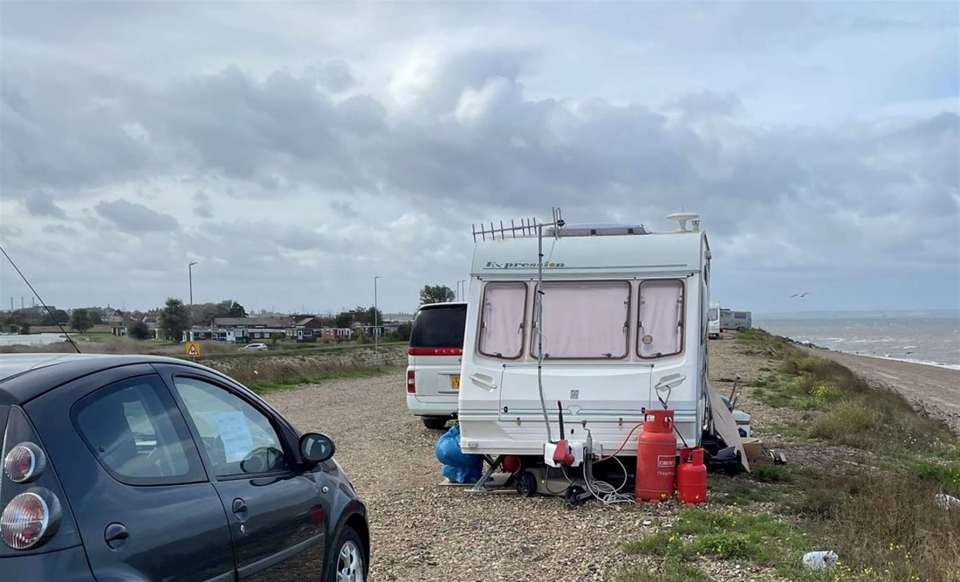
<point>433,362</point>
<point>624,325</point>
<point>713,321</point>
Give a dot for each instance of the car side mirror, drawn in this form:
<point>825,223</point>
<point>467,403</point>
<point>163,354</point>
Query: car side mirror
<point>316,447</point>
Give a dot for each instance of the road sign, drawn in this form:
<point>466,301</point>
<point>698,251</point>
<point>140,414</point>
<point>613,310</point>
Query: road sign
<point>193,349</point>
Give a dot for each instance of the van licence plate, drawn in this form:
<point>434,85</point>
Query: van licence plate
<point>455,382</point>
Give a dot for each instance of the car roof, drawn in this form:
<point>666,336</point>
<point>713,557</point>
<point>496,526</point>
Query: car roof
<point>444,304</point>
<point>26,376</point>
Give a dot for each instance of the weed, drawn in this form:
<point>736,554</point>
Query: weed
<point>772,474</point>
<point>894,527</point>
<point>849,422</point>
<point>672,570</point>
<point>740,491</point>
<point>760,538</point>
<point>945,475</point>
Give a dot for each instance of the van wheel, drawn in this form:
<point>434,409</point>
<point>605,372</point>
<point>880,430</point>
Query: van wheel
<point>347,561</point>
<point>435,422</point>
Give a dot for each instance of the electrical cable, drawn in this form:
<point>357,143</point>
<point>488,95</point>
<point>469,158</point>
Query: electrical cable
<point>602,491</point>
<point>623,444</point>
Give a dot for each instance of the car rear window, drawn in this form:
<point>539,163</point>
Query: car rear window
<point>439,327</point>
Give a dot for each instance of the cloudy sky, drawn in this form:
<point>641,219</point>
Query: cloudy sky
<point>296,150</point>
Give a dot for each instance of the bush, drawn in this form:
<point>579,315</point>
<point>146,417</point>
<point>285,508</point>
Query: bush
<point>946,476</point>
<point>894,527</point>
<point>849,422</point>
<point>138,330</point>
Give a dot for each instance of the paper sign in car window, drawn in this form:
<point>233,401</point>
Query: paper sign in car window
<point>234,431</point>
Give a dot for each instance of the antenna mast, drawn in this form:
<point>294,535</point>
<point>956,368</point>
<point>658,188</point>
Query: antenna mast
<point>40,299</point>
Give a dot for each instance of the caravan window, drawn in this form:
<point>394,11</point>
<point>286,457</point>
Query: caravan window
<point>660,329</point>
<point>586,319</point>
<point>501,322</point>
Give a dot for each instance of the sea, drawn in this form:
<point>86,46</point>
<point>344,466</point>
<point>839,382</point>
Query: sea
<point>34,339</point>
<point>923,337</point>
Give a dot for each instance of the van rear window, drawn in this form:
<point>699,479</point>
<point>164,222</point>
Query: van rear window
<point>439,327</point>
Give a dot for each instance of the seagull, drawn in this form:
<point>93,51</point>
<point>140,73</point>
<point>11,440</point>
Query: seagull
<point>800,295</point>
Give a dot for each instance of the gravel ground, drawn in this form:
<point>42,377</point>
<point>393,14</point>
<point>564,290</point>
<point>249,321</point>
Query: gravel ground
<point>423,531</point>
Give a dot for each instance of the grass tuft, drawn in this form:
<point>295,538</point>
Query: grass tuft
<point>672,570</point>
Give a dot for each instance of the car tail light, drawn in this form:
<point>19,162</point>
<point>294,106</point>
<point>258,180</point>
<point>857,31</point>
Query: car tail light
<point>411,382</point>
<point>29,519</point>
<point>24,463</point>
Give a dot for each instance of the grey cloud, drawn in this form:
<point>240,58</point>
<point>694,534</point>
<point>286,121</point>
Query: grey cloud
<point>201,205</point>
<point>65,128</point>
<point>478,132</point>
<point>706,104</point>
<point>334,76</point>
<point>344,209</point>
<point>135,218</point>
<point>60,229</point>
<point>42,204</point>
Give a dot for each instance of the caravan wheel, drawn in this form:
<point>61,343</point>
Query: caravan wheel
<point>527,484</point>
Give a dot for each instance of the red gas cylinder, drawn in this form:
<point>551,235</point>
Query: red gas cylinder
<point>656,457</point>
<point>692,477</point>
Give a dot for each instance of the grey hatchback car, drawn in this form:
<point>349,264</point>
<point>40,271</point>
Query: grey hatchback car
<point>150,468</point>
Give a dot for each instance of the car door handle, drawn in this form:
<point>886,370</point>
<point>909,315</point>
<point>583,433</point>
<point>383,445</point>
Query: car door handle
<point>239,506</point>
<point>115,535</point>
<point>483,381</point>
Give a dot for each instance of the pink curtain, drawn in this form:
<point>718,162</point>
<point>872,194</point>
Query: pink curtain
<point>584,320</point>
<point>660,309</point>
<point>501,331</point>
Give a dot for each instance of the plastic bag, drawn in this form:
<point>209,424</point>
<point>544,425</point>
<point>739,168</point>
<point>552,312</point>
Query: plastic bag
<point>820,560</point>
<point>457,467</point>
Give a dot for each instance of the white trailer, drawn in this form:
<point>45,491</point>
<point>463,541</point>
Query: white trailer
<point>713,321</point>
<point>624,327</point>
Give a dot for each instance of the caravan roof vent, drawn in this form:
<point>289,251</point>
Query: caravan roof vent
<point>600,229</point>
<point>683,217</point>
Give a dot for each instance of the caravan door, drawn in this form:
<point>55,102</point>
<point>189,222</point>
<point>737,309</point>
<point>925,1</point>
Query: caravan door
<point>499,341</point>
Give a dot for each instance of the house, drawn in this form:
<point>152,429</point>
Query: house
<point>335,334</point>
<point>308,329</point>
<point>242,329</point>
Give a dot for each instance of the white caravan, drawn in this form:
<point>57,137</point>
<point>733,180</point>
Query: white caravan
<point>738,320</point>
<point>624,316</point>
<point>713,321</point>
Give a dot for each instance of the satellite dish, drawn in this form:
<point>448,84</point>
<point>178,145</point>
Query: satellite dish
<point>683,218</point>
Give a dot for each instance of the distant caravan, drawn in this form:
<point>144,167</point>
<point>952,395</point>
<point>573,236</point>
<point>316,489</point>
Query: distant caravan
<point>713,321</point>
<point>736,320</point>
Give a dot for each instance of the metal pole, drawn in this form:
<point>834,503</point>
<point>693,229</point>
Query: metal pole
<point>539,316</point>
<point>190,278</point>
<point>376,339</point>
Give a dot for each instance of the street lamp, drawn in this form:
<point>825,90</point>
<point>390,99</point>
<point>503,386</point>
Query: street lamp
<point>376,339</point>
<point>190,278</point>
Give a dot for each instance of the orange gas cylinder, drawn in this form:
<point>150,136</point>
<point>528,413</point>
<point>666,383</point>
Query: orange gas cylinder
<point>692,477</point>
<point>656,457</point>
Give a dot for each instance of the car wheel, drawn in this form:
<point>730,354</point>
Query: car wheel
<point>435,422</point>
<point>348,563</point>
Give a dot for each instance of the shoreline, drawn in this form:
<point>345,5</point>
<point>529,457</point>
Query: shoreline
<point>928,363</point>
